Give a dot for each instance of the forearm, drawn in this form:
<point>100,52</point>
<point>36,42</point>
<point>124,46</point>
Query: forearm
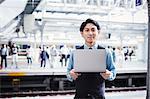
<point>69,76</point>
<point>113,75</point>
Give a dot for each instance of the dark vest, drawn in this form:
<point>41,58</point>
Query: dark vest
<point>90,85</point>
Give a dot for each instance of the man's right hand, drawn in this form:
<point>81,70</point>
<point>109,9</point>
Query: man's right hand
<point>74,75</point>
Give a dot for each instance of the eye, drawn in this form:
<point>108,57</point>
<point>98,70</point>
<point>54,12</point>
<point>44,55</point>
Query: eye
<point>86,30</point>
<point>93,30</point>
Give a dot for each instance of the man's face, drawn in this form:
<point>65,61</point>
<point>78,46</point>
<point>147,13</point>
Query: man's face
<point>90,33</point>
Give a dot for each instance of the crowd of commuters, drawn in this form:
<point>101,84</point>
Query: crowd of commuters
<point>125,52</point>
<point>52,54</point>
<point>47,55</point>
<point>122,54</point>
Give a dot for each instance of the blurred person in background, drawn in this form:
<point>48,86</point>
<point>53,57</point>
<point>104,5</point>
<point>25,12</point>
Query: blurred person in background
<point>29,56</point>
<point>14,51</point>
<point>44,56</point>
<point>53,53</point>
<point>65,53</point>
<point>130,52</point>
<point>4,54</point>
<point>114,54</point>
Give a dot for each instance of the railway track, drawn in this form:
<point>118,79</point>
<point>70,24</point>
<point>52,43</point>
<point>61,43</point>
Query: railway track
<point>63,92</point>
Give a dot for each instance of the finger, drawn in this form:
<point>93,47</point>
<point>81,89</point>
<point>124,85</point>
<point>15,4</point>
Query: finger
<point>78,74</point>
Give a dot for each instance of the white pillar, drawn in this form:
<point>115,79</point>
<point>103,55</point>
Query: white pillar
<point>140,51</point>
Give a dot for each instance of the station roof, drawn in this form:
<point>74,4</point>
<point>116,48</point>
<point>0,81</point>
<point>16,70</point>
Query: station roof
<point>60,19</point>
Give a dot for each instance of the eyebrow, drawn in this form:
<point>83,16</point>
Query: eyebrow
<point>90,28</point>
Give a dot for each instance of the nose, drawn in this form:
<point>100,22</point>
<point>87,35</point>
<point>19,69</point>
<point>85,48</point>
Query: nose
<point>90,32</point>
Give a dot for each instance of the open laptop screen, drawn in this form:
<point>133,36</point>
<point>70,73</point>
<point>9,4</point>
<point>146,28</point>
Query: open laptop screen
<point>86,60</point>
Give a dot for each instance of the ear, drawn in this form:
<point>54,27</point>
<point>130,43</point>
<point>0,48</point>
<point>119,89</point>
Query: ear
<point>81,33</point>
<point>98,31</point>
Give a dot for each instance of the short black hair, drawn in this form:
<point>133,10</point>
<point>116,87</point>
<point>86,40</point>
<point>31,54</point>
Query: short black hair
<point>89,21</point>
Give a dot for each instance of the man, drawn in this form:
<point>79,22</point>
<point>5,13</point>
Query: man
<point>29,56</point>
<point>4,54</point>
<point>44,56</point>
<point>14,55</point>
<point>91,85</point>
<point>53,53</point>
<point>64,55</point>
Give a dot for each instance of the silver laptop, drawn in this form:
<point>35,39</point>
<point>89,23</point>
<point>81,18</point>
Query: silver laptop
<point>86,60</point>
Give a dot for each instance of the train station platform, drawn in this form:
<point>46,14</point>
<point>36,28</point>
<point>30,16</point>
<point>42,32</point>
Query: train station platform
<point>35,69</point>
<point>109,95</point>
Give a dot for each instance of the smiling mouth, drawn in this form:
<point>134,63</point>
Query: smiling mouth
<point>90,37</point>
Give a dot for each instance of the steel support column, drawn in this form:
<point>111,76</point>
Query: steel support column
<point>148,61</point>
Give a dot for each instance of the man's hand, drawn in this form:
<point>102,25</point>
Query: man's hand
<point>74,75</point>
<point>106,74</point>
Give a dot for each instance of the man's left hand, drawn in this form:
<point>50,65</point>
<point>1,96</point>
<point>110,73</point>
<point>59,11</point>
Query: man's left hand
<point>106,74</point>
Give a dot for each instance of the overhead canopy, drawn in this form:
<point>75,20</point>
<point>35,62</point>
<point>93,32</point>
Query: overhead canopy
<point>60,19</point>
<point>31,5</point>
<point>11,12</point>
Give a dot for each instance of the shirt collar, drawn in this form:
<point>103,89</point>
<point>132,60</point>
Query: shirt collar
<point>93,47</point>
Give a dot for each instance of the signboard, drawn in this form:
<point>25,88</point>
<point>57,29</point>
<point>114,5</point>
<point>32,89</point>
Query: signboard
<point>138,2</point>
